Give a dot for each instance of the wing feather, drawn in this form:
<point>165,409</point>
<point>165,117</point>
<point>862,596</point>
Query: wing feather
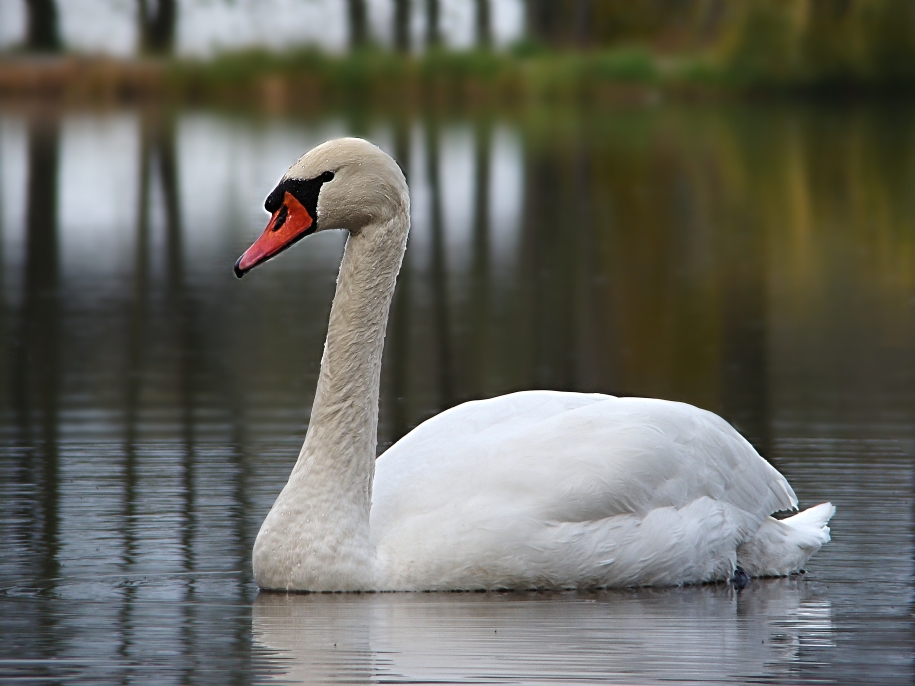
<point>502,469</point>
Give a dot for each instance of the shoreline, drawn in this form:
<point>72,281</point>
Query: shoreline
<point>468,81</point>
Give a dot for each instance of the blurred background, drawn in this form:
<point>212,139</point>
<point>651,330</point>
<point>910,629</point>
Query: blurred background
<point>700,200</point>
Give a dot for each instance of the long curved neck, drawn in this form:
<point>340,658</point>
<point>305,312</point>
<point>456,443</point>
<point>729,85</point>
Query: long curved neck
<point>342,433</point>
<point>316,536</point>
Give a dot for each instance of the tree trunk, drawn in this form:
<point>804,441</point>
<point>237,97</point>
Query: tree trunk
<point>484,24</point>
<point>42,34</point>
<point>559,23</point>
<point>157,25</point>
<point>584,18</point>
<point>541,20</point>
<point>433,35</point>
<point>358,24</point>
<point>402,25</point>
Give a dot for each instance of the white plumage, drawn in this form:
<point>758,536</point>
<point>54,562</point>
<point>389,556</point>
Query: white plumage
<point>555,490</point>
<point>538,489</point>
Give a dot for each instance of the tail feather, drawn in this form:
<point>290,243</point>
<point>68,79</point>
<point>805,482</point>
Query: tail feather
<point>782,547</point>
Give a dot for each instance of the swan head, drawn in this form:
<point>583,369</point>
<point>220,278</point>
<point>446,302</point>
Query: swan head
<point>346,183</point>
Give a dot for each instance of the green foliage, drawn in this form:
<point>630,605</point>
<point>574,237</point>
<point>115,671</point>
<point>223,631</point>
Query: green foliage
<point>698,71</point>
<point>762,45</point>
<point>768,45</point>
<point>482,65</point>
<point>758,44</point>
<point>815,44</point>
<point>628,65</point>
<point>575,52</point>
<point>528,47</point>
<point>359,68</point>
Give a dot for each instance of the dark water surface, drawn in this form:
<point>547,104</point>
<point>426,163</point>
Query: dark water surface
<point>757,261</point>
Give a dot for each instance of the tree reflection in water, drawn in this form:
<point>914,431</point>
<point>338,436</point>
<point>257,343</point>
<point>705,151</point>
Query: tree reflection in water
<point>35,373</point>
<point>758,262</point>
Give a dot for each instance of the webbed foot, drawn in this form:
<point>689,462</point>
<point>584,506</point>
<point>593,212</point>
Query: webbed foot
<point>741,579</point>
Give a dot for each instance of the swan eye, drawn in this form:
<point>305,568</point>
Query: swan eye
<point>304,190</point>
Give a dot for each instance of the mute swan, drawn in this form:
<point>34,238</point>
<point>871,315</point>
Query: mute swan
<point>537,489</point>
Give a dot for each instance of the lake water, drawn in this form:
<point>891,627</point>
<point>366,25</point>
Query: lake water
<point>756,260</point>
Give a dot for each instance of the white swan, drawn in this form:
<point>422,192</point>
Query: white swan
<point>538,489</point>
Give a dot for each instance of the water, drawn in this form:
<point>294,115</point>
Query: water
<point>757,260</point>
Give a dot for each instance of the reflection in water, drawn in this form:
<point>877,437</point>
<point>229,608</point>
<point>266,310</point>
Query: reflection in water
<point>439,285</point>
<point>479,281</point>
<point>136,336</point>
<point>700,634</point>
<point>181,313</point>
<point>757,262</point>
<point>396,362</point>
<point>35,375</point>
<point>744,368</point>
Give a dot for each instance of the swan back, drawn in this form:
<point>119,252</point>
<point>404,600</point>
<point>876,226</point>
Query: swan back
<point>549,489</point>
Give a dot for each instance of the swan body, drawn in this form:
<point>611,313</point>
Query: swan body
<point>537,489</point>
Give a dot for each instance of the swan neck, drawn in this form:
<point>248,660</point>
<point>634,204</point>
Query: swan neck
<point>344,417</point>
<point>316,536</point>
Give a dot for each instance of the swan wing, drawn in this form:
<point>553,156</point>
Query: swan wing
<point>500,487</point>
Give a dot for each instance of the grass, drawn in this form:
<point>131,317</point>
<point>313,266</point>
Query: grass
<point>309,79</point>
<point>458,79</point>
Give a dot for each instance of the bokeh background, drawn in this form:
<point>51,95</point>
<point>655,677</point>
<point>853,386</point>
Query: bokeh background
<point>700,200</point>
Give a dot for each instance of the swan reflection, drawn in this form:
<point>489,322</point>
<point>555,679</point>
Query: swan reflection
<point>774,628</point>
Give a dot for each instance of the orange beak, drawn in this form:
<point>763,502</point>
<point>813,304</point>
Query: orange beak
<point>290,223</point>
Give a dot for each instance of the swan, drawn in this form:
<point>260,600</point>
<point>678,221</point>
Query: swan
<point>531,490</point>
